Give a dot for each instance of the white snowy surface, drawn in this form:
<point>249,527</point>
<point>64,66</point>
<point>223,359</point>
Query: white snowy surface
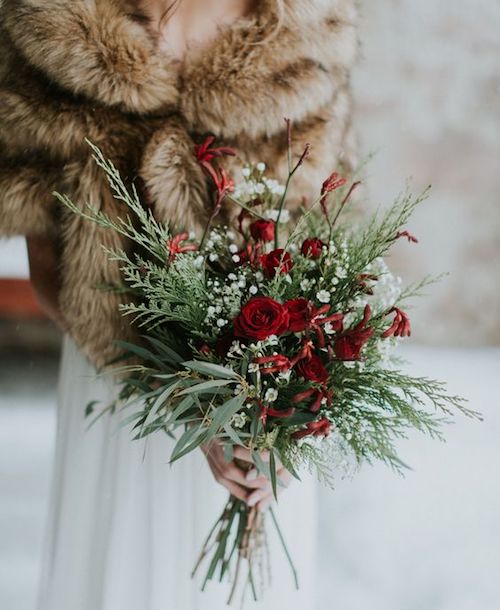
<point>430,541</point>
<point>13,258</point>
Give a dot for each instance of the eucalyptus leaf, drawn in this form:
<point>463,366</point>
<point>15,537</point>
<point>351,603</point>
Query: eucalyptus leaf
<point>214,370</point>
<point>201,388</point>
<point>225,412</point>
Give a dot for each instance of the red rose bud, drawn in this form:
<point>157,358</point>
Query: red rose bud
<point>263,230</point>
<point>349,344</point>
<point>400,327</point>
<point>301,313</point>
<point>313,247</point>
<point>323,427</point>
<point>260,318</point>
<point>273,364</point>
<point>276,261</point>
<point>312,369</point>
<point>223,344</point>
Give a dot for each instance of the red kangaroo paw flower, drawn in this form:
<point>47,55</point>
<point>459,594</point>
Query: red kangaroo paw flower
<point>323,427</point>
<point>206,153</point>
<point>175,246</point>
<point>411,238</point>
<point>273,364</point>
<point>400,326</point>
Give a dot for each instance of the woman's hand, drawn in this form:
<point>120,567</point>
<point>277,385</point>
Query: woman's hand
<point>240,476</point>
<point>45,276</point>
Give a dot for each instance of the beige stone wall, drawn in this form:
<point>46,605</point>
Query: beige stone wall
<point>428,98</point>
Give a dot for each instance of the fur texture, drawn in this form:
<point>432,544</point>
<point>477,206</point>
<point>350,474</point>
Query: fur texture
<point>75,69</point>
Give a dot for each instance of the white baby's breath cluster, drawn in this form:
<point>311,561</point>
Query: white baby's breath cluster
<point>256,185</point>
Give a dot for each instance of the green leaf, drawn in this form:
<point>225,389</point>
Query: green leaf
<point>168,352</point>
<point>90,408</point>
<point>262,467</point>
<point>201,388</point>
<point>214,370</point>
<point>228,452</point>
<point>180,409</point>
<point>142,352</point>
<point>233,435</point>
<point>199,435</point>
<point>184,439</point>
<point>160,401</point>
<point>272,468</point>
<point>225,412</point>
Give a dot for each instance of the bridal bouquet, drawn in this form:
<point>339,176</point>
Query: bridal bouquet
<point>275,334</point>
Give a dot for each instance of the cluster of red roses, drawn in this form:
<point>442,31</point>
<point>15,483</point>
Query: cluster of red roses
<point>262,317</point>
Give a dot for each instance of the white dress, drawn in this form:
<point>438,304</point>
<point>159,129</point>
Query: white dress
<point>125,528</point>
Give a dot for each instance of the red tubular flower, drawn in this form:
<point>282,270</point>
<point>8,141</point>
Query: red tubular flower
<point>317,395</point>
<point>319,320</point>
<point>176,247</point>
<point>363,280</point>
<point>408,235</point>
<point>312,247</point>
<point>223,183</point>
<point>276,261</point>
<point>312,369</point>
<point>400,327</point>
<point>273,364</point>
<point>306,352</point>
<point>260,318</point>
<point>323,427</point>
<point>301,313</point>
<point>206,153</point>
<point>263,230</point>
<point>349,344</point>
<point>265,412</point>
<point>332,183</point>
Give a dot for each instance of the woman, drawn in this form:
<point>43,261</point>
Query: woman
<point>145,81</point>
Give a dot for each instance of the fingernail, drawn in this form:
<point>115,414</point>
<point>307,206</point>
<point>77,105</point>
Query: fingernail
<point>251,475</point>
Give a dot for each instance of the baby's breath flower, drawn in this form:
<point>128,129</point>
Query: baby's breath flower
<point>271,395</point>
<point>239,420</point>
<point>323,296</point>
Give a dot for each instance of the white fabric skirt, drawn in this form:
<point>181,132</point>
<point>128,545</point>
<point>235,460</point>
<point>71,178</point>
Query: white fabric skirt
<point>125,528</point>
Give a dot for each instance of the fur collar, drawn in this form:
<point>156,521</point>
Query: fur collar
<point>96,49</point>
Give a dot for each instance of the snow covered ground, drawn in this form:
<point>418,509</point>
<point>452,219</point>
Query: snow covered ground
<point>430,541</point>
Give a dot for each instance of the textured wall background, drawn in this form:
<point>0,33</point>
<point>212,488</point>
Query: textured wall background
<point>428,96</point>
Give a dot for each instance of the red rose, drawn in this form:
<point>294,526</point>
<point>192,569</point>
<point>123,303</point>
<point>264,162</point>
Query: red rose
<point>277,259</point>
<point>263,230</point>
<point>300,312</point>
<point>313,247</point>
<point>260,318</point>
<point>313,369</point>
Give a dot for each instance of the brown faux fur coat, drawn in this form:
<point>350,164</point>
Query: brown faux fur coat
<point>76,69</point>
